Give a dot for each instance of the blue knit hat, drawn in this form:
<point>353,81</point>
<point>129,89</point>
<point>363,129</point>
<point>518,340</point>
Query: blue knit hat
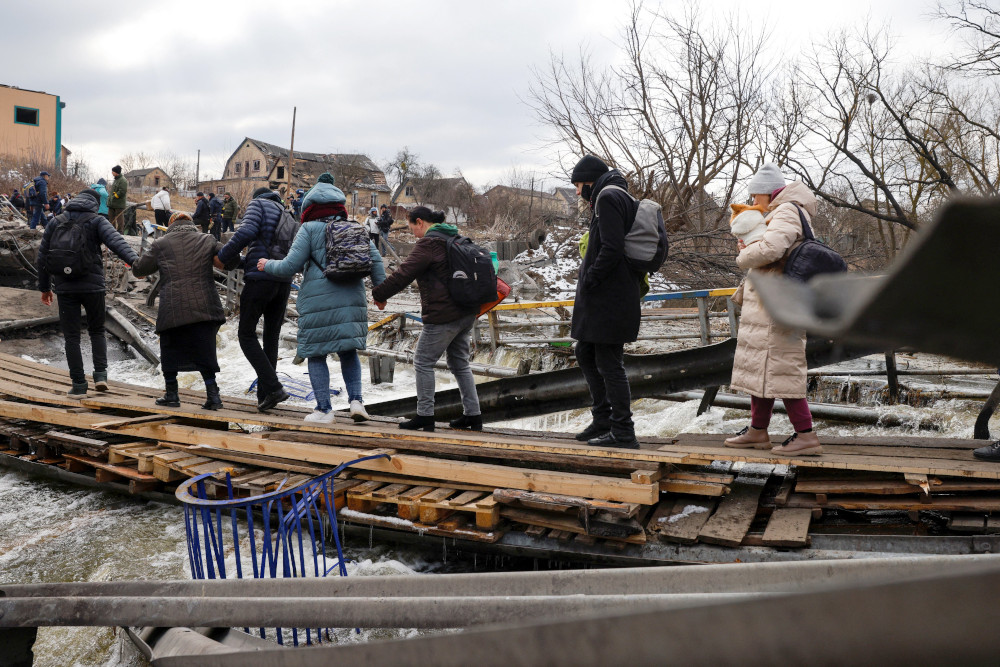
<point>324,192</point>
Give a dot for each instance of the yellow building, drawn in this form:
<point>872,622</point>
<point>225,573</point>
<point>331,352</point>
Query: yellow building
<point>31,127</point>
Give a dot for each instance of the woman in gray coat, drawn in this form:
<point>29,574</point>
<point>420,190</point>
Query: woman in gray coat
<point>190,312</point>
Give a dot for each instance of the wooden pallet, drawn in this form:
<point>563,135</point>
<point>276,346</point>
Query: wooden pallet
<point>425,504</point>
<point>107,472</point>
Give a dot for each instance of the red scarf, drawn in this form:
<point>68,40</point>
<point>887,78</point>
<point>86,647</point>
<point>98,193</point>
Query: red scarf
<point>317,211</point>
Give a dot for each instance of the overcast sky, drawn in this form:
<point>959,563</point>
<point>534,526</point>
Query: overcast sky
<point>446,78</point>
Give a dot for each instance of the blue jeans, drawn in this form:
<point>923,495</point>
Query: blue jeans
<point>319,377</point>
<point>37,216</point>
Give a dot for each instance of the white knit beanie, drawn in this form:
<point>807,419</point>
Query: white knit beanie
<point>767,179</point>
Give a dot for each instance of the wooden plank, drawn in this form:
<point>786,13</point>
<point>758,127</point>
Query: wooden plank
<point>682,520</point>
<point>649,476</point>
<point>407,508</point>
<point>535,531</point>
<point>940,503</point>
<point>733,517</point>
<point>119,471</point>
<point>707,477</point>
<point>884,487</point>
<point>967,523</point>
<point>438,495</point>
<point>694,488</point>
<point>558,522</point>
<point>788,527</point>
<point>390,490</point>
<point>129,421</point>
<point>465,498</point>
<point>784,491</point>
<point>487,513</point>
<point>415,492</point>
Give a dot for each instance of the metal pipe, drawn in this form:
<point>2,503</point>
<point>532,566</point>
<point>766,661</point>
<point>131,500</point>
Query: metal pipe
<point>869,372</point>
<point>821,410</point>
<point>477,369</point>
<point>340,612</point>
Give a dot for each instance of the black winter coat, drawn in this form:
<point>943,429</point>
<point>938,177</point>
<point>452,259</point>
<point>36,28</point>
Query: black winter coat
<point>215,207</point>
<point>99,231</point>
<point>183,256</point>
<point>607,289</point>
<point>201,211</point>
<point>257,231</point>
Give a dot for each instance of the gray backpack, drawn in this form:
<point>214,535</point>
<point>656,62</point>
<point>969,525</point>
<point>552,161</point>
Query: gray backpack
<point>646,242</point>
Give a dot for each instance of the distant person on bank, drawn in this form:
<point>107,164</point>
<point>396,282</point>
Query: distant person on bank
<point>229,211</point>
<point>447,327</point>
<point>333,315</point>
<point>118,201</point>
<point>161,207</point>
<point>215,213</point>
<point>264,294</point>
<point>101,187</point>
<point>40,202</point>
<point>87,291</point>
<point>606,310</point>
<point>190,312</point>
<point>770,360</point>
<point>385,222</point>
<point>202,213</point>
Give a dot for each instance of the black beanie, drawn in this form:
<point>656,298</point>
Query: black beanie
<point>588,170</point>
<point>116,169</point>
<point>260,191</point>
<point>90,192</point>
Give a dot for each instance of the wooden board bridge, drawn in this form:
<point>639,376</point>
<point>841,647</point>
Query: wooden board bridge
<point>505,486</point>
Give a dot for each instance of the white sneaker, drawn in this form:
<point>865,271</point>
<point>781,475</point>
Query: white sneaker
<point>317,416</point>
<point>358,412</point>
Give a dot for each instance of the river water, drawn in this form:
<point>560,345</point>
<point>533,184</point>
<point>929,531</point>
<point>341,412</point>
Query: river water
<point>57,532</point>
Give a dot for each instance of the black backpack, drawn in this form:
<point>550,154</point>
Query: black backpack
<point>812,257</point>
<point>284,234</point>
<point>70,253</point>
<point>472,279</point>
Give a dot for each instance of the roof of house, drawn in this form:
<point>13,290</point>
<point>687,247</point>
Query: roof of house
<point>308,166</point>
<point>439,184</point>
<point>521,192</point>
<point>569,194</point>
<point>135,173</point>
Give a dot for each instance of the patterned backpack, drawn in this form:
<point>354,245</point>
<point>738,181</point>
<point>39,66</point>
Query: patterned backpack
<point>347,251</point>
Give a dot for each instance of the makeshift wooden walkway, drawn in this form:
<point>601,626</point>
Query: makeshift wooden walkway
<point>481,486</point>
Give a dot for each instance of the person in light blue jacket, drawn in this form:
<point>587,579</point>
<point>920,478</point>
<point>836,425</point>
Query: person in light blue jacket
<point>333,316</point>
<point>101,187</point>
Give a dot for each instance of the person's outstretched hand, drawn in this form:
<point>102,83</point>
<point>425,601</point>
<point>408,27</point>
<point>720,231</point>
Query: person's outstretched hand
<point>47,298</point>
<point>218,263</point>
<point>380,304</point>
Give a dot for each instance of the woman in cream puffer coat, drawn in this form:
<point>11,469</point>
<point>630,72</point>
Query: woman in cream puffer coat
<point>770,360</point>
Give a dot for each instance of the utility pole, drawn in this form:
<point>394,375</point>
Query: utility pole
<point>197,170</point>
<point>291,149</point>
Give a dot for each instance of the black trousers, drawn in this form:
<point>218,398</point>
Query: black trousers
<point>603,367</point>
<point>70,321</point>
<point>162,217</point>
<point>266,298</point>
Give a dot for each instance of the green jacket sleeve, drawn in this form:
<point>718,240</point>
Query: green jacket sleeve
<point>118,191</point>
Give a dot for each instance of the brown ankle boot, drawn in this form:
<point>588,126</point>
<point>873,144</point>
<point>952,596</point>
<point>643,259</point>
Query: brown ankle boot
<point>800,444</point>
<point>750,438</point>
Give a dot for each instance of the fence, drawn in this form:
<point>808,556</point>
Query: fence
<point>284,550</point>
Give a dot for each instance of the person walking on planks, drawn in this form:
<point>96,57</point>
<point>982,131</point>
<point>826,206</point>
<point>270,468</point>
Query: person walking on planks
<point>333,314</point>
<point>606,311</point>
<point>70,263</point>
<point>447,326</point>
<point>264,294</point>
<point>190,312</point>
<point>770,360</point>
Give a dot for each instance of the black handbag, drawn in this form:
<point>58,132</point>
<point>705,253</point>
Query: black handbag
<point>812,257</point>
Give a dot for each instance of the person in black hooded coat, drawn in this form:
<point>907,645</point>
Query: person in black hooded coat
<point>87,290</point>
<point>606,311</point>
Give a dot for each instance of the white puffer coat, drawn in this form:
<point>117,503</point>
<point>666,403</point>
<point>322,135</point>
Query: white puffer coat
<point>770,360</point>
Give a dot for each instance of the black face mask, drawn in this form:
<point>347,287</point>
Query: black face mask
<point>586,190</point>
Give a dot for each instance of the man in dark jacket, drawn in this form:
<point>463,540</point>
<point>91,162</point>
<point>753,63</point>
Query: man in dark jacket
<point>202,213</point>
<point>263,294</point>
<point>40,202</point>
<point>215,213</point>
<point>87,290</point>
<point>384,225</point>
<point>606,311</point>
<point>229,209</point>
<point>118,199</point>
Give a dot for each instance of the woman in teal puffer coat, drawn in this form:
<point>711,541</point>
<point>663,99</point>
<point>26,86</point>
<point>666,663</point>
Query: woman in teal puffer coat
<point>333,316</point>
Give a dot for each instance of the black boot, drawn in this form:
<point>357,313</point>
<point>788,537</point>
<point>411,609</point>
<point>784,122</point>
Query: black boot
<point>418,423</point>
<point>988,453</point>
<point>611,440</point>
<point>170,398</point>
<point>214,401</point>
<point>474,422</point>
<point>593,431</point>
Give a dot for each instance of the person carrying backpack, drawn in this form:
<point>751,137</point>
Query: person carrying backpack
<point>447,324</point>
<point>264,295</point>
<point>333,314</point>
<point>215,213</point>
<point>71,265</point>
<point>770,361</point>
<point>606,310</point>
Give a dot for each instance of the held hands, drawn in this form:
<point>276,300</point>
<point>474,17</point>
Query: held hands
<point>218,263</point>
<point>261,263</point>
<point>47,298</point>
<point>380,304</point>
